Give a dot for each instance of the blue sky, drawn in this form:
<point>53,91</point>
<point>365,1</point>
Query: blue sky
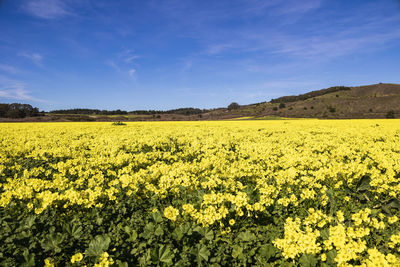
<point>164,54</point>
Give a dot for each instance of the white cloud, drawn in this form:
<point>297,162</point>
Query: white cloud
<point>132,72</point>
<point>46,9</point>
<point>113,65</point>
<point>10,89</point>
<point>9,69</point>
<point>34,57</point>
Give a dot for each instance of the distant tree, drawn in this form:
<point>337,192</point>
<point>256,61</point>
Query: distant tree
<point>233,106</point>
<point>275,108</point>
<point>16,110</point>
<point>282,105</point>
<point>332,109</point>
<point>390,114</point>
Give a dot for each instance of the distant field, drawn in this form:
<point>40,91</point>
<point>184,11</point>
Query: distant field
<point>220,193</point>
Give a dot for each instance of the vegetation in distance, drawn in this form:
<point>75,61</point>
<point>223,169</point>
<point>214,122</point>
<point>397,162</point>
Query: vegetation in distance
<point>338,102</point>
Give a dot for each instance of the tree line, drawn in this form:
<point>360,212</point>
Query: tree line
<point>84,111</point>
<point>18,111</point>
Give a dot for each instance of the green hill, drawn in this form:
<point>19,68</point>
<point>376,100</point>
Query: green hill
<point>371,101</point>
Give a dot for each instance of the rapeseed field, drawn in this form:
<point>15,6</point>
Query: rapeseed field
<point>223,193</point>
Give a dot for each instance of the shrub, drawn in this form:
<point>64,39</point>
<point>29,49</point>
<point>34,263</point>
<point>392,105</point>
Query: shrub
<point>282,105</point>
<point>118,123</point>
<point>275,108</point>
<point>233,105</point>
<point>390,114</point>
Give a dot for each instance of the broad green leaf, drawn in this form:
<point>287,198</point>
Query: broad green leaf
<point>159,231</point>
<point>325,234</point>
<point>177,234</point>
<point>98,245</point>
<point>73,229</point>
<point>52,242</point>
<point>202,252</point>
<point>157,217</point>
<point>394,203</point>
<point>29,259</point>
<point>364,184</point>
<point>246,236</point>
<point>267,251</point>
<point>122,264</point>
<point>209,234</point>
<point>330,256</point>
<point>237,251</point>
<point>165,254</point>
<point>308,260</point>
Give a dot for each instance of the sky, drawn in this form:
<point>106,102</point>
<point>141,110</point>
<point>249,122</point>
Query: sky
<point>166,54</point>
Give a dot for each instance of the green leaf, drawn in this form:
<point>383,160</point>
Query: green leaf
<point>267,251</point>
<point>177,234</point>
<point>159,231</point>
<point>133,236</point>
<point>52,242</point>
<point>98,245</point>
<point>29,259</point>
<point>364,183</point>
<point>308,260</point>
<point>237,252</point>
<point>246,236</point>
<point>394,203</point>
<point>202,253</point>
<point>165,254</point>
<point>330,256</point>
<point>28,222</point>
<point>73,229</point>
<point>209,234</point>
<point>148,230</point>
<point>122,264</point>
<point>325,234</point>
<point>157,217</point>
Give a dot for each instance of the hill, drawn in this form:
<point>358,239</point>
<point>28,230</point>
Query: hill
<point>370,101</point>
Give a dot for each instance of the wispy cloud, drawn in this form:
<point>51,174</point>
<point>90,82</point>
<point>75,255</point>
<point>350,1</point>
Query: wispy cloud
<point>34,57</point>
<point>15,90</point>
<point>124,62</point>
<point>9,69</point>
<point>46,9</point>
<point>113,65</point>
<point>127,55</point>
<point>132,72</point>
<point>298,7</point>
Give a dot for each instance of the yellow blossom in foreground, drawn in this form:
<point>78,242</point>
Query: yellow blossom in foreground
<point>76,258</point>
<point>171,213</point>
<point>48,262</point>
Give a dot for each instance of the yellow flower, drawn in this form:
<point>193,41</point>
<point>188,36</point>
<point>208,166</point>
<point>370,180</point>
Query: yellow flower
<point>76,258</point>
<point>48,262</point>
<point>171,213</point>
<point>231,221</point>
